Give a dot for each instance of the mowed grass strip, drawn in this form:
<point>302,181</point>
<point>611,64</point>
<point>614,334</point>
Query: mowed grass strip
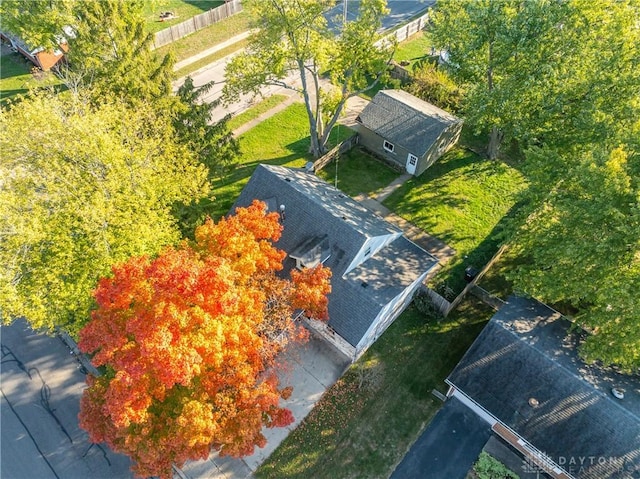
<point>463,200</point>
<point>255,111</point>
<point>364,424</point>
<point>207,37</point>
<point>209,59</point>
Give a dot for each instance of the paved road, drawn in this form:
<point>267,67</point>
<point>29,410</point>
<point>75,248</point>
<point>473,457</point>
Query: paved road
<point>400,12</point>
<point>41,390</point>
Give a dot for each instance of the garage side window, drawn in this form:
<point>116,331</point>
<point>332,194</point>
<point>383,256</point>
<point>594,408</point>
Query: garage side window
<point>388,146</point>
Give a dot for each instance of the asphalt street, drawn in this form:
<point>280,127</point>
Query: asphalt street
<point>41,390</point>
<point>400,11</point>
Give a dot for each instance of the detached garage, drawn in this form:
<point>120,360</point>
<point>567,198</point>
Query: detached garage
<point>406,130</point>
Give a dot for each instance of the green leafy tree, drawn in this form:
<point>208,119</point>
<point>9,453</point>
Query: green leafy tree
<point>83,188</point>
<point>39,25</point>
<point>109,48</point>
<point>213,144</point>
<point>580,246</point>
<point>294,44</point>
<point>112,52</point>
<point>543,72</point>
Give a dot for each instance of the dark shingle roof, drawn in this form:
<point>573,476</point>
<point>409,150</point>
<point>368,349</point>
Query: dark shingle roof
<point>314,209</point>
<point>527,352</point>
<point>406,120</point>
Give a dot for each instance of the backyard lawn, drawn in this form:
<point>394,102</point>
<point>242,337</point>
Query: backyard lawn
<point>16,77</point>
<point>182,9</point>
<point>358,172</point>
<point>282,139</point>
<point>365,423</point>
<point>414,50</point>
<point>462,199</point>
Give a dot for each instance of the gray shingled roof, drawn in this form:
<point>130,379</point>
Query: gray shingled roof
<point>526,352</point>
<point>315,209</point>
<point>406,120</point>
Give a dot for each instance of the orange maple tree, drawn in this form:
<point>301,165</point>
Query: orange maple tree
<point>187,344</point>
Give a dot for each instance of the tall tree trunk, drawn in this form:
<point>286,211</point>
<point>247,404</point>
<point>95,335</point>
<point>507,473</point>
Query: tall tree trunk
<point>495,139</point>
<point>315,147</point>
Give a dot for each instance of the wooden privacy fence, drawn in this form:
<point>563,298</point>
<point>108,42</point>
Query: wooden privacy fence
<point>198,22</point>
<point>343,147</point>
<point>411,28</point>
<point>445,306</point>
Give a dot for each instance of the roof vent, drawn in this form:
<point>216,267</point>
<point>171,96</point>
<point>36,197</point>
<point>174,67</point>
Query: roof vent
<point>364,284</point>
<point>617,393</point>
<point>288,179</point>
<point>533,402</point>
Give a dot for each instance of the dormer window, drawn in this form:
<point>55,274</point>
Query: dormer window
<point>312,252</point>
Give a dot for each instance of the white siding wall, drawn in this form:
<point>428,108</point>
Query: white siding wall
<point>387,315</point>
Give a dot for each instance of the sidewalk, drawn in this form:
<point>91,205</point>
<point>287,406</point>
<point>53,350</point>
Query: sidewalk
<point>212,50</point>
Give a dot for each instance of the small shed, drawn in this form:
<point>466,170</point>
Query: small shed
<point>406,130</point>
<point>40,57</point>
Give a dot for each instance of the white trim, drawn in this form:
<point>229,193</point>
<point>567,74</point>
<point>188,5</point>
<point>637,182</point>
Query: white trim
<point>390,148</point>
<point>474,406</point>
<point>412,163</point>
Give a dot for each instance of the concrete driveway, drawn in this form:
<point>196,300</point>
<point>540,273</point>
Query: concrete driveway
<point>311,369</point>
<point>448,447</point>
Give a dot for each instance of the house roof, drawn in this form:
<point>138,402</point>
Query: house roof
<point>406,120</point>
<point>317,214</point>
<point>526,351</point>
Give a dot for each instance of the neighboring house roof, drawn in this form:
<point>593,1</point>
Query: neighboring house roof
<point>526,351</point>
<point>330,223</point>
<point>406,120</point>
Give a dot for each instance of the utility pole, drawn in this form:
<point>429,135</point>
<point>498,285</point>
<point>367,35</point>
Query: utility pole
<point>344,13</point>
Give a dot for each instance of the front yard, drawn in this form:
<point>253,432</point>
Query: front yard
<point>365,423</point>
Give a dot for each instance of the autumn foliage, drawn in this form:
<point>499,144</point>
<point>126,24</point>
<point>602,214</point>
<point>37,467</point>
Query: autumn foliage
<point>187,343</point>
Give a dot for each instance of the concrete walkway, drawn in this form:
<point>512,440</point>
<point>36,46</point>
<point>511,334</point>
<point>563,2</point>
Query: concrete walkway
<point>212,50</point>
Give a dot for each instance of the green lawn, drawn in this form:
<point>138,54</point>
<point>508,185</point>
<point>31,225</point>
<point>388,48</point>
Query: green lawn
<point>255,111</point>
<point>358,172</point>
<point>414,50</point>
<point>183,9</point>
<point>282,139</point>
<point>462,200</point>
<point>16,77</point>
<point>207,37</point>
<point>363,431</point>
